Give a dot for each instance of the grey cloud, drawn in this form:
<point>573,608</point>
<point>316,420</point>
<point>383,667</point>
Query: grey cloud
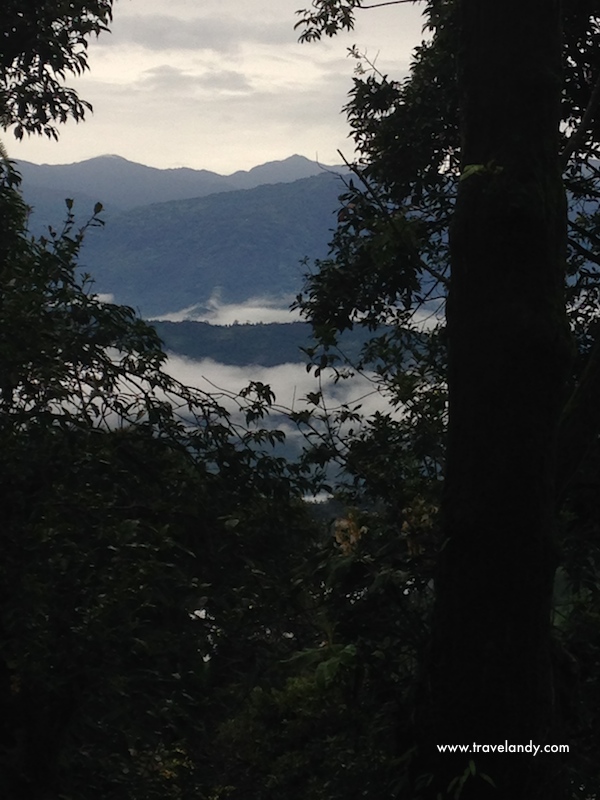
<point>298,107</point>
<point>225,79</point>
<point>167,77</point>
<point>162,32</point>
<point>173,80</point>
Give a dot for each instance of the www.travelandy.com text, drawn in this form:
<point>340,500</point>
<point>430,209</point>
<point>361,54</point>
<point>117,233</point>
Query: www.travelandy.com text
<point>535,749</point>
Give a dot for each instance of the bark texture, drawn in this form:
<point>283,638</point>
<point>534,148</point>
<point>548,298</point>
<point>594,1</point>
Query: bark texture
<point>490,672</point>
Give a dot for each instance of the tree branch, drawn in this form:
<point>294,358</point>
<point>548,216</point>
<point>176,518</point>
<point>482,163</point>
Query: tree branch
<point>390,3</point>
<point>591,237</point>
<point>425,267</point>
<point>578,138</point>
<point>583,251</point>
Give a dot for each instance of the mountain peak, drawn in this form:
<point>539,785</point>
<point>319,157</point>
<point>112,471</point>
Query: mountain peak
<point>285,170</point>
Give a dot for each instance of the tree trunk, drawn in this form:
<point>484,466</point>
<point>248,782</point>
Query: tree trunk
<point>490,676</point>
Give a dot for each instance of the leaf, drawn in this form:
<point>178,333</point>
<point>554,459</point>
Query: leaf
<point>471,169</point>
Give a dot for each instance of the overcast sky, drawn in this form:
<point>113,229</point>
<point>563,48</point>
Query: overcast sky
<point>221,84</point>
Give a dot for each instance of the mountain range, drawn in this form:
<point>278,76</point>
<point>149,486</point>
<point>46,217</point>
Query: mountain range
<point>120,184</point>
<point>237,236</point>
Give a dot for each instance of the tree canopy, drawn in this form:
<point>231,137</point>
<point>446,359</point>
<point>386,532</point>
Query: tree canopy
<point>42,42</point>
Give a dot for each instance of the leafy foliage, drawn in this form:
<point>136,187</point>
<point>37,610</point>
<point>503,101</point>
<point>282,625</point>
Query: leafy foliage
<point>389,267</point>
<point>327,17</point>
<point>334,719</point>
<point>148,539</point>
<point>41,42</point>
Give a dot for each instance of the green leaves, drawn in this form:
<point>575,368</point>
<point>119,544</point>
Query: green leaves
<point>339,658</point>
<point>40,44</point>
<point>326,17</point>
<point>471,169</point>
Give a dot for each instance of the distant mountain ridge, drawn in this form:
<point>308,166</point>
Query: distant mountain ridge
<point>121,184</point>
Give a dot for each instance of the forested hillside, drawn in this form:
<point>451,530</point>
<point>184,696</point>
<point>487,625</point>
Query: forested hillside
<point>264,344</point>
<point>241,244</point>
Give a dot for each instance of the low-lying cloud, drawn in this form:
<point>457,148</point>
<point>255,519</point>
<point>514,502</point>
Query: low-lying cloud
<point>291,385</point>
<point>252,311</point>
